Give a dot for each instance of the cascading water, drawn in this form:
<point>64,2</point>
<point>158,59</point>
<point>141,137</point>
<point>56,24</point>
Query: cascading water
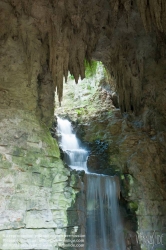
<point>74,155</point>
<point>104,230</point>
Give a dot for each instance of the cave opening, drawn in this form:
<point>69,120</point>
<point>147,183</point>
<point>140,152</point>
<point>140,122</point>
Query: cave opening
<point>95,99</point>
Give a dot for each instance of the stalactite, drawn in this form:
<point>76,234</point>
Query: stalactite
<point>71,40</point>
<point>28,47</point>
<point>74,27</point>
<point>153,13</point>
<point>127,5</point>
<point>142,4</point>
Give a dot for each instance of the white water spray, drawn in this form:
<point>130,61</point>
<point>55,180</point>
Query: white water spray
<point>75,155</point>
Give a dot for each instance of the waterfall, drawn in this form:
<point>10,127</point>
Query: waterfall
<point>104,229</point>
<point>74,155</point>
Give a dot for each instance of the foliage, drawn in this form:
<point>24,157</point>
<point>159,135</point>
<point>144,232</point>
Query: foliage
<point>90,68</point>
<point>80,111</point>
<point>89,87</point>
<point>71,77</point>
<point>105,71</point>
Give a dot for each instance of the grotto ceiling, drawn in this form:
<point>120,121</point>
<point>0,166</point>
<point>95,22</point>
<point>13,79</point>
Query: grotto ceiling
<point>128,36</point>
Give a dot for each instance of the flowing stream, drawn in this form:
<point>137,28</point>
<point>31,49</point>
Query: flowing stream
<point>104,229</point>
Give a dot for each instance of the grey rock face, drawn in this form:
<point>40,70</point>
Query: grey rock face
<point>33,184</point>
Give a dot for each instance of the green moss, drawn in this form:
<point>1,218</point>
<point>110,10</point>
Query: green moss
<point>18,152</point>
<point>29,158</point>
<point>51,163</point>
<point>130,179</point>
<point>52,148</point>
<point>4,163</point>
<point>133,206</point>
<point>122,177</point>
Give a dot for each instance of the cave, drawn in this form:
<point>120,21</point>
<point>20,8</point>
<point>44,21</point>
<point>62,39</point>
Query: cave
<point>41,42</point>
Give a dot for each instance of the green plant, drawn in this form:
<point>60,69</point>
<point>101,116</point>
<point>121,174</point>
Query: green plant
<point>133,206</point>
<point>80,111</point>
<point>88,87</point>
<point>109,113</point>
<point>71,77</point>
<point>90,68</point>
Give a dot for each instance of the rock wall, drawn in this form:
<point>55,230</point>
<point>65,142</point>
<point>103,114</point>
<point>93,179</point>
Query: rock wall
<point>36,188</point>
<point>120,145</point>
